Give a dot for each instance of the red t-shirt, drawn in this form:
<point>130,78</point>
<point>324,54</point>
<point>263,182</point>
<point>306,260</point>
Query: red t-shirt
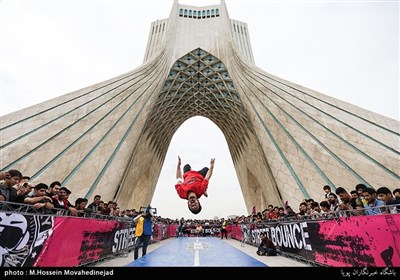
<point>192,181</point>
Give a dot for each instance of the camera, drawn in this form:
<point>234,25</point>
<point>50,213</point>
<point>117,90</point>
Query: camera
<point>149,210</point>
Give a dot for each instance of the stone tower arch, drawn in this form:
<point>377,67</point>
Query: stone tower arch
<point>199,84</point>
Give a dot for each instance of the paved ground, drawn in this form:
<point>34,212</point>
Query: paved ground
<point>276,261</point>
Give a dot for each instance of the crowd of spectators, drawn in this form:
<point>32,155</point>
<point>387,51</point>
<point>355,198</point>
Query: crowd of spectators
<point>362,200</point>
<point>17,189</point>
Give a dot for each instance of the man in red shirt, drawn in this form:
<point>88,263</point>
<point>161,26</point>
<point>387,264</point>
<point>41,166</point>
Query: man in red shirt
<point>193,185</point>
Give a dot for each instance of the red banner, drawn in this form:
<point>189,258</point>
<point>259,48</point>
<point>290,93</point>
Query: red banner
<point>76,241</point>
<point>52,241</point>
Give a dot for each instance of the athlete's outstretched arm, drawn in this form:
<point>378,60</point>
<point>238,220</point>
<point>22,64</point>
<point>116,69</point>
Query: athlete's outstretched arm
<point>178,169</point>
<point>210,170</point>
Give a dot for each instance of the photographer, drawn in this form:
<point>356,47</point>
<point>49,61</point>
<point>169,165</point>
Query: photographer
<point>143,232</point>
<point>266,247</point>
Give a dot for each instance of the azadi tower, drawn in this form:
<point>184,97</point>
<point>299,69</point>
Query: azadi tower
<point>286,141</point>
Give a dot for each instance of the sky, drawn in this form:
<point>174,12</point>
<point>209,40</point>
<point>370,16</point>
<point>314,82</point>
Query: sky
<point>345,49</point>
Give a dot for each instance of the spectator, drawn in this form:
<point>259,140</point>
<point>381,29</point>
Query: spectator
<point>80,206</point>
<point>179,229</point>
<point>386,196</point>
<point>266,247</point>
<point>333,201</point>
<point>108,208</point>
<point>199,230</point>
<point>373,204</point>
<point>281,212</point>
<point>289,212</point>
<point>346,199</point>
<point>326,209</point>
<point>270,212</point>
<point>360,188</point>
<point>41,203</point>
<point>24,179</point>
<point>309,202</point>
<point>223,229</point>
<point>303,209</point>
<point>95,205</point>
<point>3,175</point>
<point>53,189</point>
<point>22,191</point>
<point>116,212</point>
<point>315,209</point>
<point>354,194</point>
<point>7,190</point>
<point>327,189</point>
<point>396,193</point>
<point>60,201</point>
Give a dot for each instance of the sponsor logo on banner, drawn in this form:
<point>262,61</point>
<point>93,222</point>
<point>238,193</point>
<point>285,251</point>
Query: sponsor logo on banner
<point>22,238</point>
<point>123,239</point>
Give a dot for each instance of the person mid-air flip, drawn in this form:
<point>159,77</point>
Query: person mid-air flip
<point>193,184</point>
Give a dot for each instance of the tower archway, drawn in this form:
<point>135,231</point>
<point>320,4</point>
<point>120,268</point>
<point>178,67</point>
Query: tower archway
<point>199,84</point>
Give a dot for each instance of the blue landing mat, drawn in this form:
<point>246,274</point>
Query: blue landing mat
<point>193,251</point>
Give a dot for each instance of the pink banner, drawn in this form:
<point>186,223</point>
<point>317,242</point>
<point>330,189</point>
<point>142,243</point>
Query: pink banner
<point>77,241</point>
<point>54,241</point>
<point>360,241</point>
<point>357,241</point>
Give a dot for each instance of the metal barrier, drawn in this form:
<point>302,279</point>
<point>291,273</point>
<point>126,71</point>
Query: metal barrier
<point>246,233</point>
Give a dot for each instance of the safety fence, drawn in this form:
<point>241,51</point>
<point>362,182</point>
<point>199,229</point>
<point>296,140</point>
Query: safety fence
<point>39,240</point>
<point>356,241</point>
